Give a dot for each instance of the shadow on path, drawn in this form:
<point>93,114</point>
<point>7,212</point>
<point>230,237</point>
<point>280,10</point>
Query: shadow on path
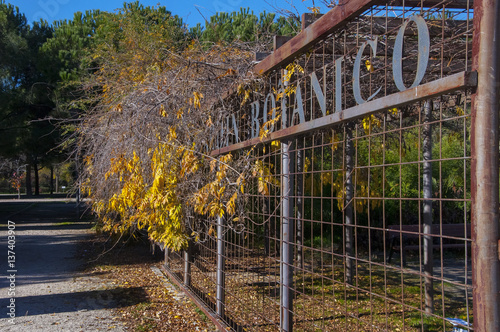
<point>49,279</point>
<point>80,301</point>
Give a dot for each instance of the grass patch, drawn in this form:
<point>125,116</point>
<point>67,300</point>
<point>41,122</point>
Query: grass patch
<point>142,306</point>
<point>145,327</point>
<point>65,223</point>
<point>201,313</point>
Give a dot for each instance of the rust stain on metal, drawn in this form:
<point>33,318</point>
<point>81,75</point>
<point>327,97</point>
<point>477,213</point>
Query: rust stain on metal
<point>498,248</point>
<point>484,168</point>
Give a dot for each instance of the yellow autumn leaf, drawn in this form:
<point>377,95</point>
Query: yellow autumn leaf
<point>314,10</point>
<point>162,111</point>
<point>262,188</point>
<point>369,66</point>
<point>393,111</point>
<point>197,96</point>
<point>211,231</point>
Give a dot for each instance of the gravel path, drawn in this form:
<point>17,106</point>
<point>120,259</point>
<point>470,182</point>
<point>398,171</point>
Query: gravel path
<point>51,292</point>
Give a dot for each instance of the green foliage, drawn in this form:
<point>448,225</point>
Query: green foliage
<point>13,49</point>
<point>244,26</point>
<point>71,42</point>
<point>27,86</point>
<point>13,45</point>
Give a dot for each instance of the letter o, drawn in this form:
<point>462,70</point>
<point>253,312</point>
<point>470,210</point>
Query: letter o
<point>423,53</point>
<point>273,105</point>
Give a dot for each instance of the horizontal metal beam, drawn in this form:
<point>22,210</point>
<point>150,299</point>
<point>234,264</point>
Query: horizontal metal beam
<point>334,19</point>
<point>434,3</point>
<point>425,91</point>
<point>331,21</point>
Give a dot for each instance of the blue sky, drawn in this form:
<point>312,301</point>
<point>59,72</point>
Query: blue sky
<point>189,10</point>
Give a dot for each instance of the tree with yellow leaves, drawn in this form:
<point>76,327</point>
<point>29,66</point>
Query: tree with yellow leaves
<point>148,135</point>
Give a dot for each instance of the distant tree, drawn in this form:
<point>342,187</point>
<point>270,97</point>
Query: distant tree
<point>27,87</point>
<point>13,49</point>
<point>245,26</point>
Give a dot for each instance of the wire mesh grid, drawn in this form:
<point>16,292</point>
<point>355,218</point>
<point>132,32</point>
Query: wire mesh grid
<point>380,203</point>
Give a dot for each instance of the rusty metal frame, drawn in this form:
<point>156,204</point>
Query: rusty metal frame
<point>283,208</point>
<point>485,154</point>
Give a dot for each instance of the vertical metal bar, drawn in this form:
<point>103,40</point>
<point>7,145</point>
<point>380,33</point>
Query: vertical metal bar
<point>221,276</point>
<point>427,208</point>
<point>484,167</point>
<point>287,185</point>
<point>187,266</point>
<point>349,195</point>
<point>267,226</point>
<point>299,201</point>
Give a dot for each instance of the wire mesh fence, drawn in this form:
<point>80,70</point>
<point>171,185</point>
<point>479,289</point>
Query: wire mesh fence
<point>357,216</point>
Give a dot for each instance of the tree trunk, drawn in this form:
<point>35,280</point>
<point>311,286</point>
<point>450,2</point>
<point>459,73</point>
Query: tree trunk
<point>37,178</point>
<point>57,180</point>
<point>427,209</point>
<point>348,208</point>
<point>51,179</point>
<point>28,180</point>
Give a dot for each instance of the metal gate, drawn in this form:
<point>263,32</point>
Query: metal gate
<point>373,204</point>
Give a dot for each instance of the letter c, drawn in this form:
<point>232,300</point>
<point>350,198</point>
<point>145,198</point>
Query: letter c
<point>356,73</point>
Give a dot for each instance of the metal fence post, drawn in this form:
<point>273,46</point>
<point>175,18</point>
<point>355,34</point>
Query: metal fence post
<point>484,167</point>
<point>221,277</point>
<point>187,266</point>
<point>287,185</point>
<point>427,208</point>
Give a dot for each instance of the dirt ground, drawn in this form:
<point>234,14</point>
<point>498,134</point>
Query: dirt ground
<point>68,278</point>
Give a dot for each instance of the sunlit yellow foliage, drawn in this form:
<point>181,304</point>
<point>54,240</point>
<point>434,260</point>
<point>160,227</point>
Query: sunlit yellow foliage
<point>209,200</point>
<point>370,121</point>
<point>156,206</point>
<point>369,66</point>
<point>196,99</point>
<point>150,114</point>
<point>314,10</point>
<point>393,111</point>
<point>163,112</point>
<point>334,140</point>
<point>267,128</point>
<point>291,69</point>
<point>265,177</point>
